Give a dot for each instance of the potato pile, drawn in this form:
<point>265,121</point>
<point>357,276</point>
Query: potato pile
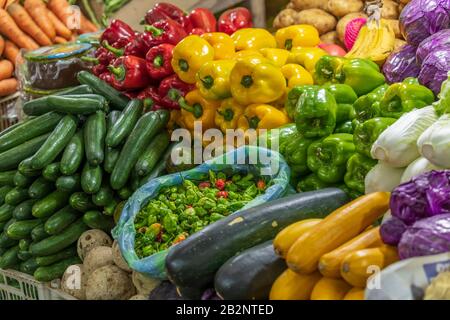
<point>330,17</point>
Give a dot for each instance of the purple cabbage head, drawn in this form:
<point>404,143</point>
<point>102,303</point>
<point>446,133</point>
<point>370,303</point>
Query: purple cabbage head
<point>435,42</point>
<point>434,70</point>
<point>426,237</point>
<point>391,231</point>
<point>401,64</point>
<point>422,18</point>
<point>424,196</point>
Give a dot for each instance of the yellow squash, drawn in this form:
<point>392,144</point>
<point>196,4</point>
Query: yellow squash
<point>292,286</point>
<point>336,229</point>
<point>330,263</point>
<point>330,289</point>
<point>286,237</point>
<point>355,294</point>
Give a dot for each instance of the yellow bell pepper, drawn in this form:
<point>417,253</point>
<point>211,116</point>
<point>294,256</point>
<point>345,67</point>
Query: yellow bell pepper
<point>247,53</point>
<point>306,57</point>
<point>256,80</point>
<point>196,108</point>
<point>296,75</point>
<point>301,35</point>
<point>189,55</point>
<point>228,114</point>
<point>222,43</point>
<point>253,38</point>
<point>262,116</point>
<point>213,79</point>
<point>277,56</point>
<point>175,121</point>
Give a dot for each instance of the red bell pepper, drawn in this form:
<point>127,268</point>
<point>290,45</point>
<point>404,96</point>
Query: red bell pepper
<point>197,31</point>
<point>130,94</point>
<point>204,19</point>
<point>164,31</point>
<point>106,76</point>
<point>104,56</point>
<point>150,98</point>
<point>136,47</point>
<point>235,19</point>
<point>171,89</point>
<point>118,34</point>
<point>99,69</point>
<point>129,73</point>
<point>164,10</point>
<point>159,61</point>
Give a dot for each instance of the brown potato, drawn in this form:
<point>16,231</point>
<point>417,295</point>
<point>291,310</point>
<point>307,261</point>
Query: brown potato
<point>322,20</point>
<point>330,38</point>
<point>309,4</point>
<point>389,10</point>
<point>285,18</point>
<point>340,27</point>
<point>340,8</point>
<point>405,1</point>
<point>396,27</point>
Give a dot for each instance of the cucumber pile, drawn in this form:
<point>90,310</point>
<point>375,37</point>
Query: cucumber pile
<point>67,167</point>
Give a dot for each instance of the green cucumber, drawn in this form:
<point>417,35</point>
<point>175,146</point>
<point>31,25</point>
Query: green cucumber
<point>10,159</point>
<point>146,128</point>
<point>125,192</point>
<point>26,169</point>
<point>60,220</point>
<point>22,181</point>
<point>40,188</point>
<point>69,183</point>
<point>91,178</point>
<point>54,271</point>
<point>2,225</point>
<point>55,143</point>
<point>81,89</point>
<point>22,229</point>
<point>31,129</point>
<point>149,158</point>
<point>94,138</point>
<point>24,244</point>
<point>16,196</point>
<point>68,103</point>
<point>111,156</point>
<point>7,178</point>
<point>73,154</point>
<point>29,266</point>
<point>3,192</point>
<point>56,243</point>
<point>9,258</point>
<point>81,201</point>
<point>117,99</point>
<point>125,124</point>
<point>7,224</point>
<point>52,172</point>
<point>242,230</point>
<point>6,212</point>
<point>53,258</point>
<point>24,255</point>
<point>110,208</point>
<point>104,196</point>
<point>47,206</point>
<point>23,210</point>
<point>5,241</point>
<point>38,233</point>
<point>97,220</point>
<point>134,181</point>
<point>113,116</point>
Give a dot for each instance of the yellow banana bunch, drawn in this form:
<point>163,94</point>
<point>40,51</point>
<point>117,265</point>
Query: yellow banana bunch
<point>376,41</point>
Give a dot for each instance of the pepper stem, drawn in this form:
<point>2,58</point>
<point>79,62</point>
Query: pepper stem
<point>196,109</point>
<point>208,82</point>
<point>117,52</point>
<point>158,61</point>
<point>227,115</point>
<point>247,81</point>
<point>173,94</point>
<point>148,103</point>
<point>90,60</point>
<point>184,65</point>
<point>253,122</point>
<point>118,72</point>
<point>154,31</point>
<point>288,44</point>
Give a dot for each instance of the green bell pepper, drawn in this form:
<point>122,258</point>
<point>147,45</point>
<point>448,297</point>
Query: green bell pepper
<point>341,92</point>
<point>293,97</point>
<point>403,97</point>
<point>315,114</point>
<point>344,127</point>
<point>312,183</point>
<point>443,104</point>
<point>328,157</point>
<point>367,133</point>
<point>361,74</point>
<point>357,168</point>
<point>368,106</point>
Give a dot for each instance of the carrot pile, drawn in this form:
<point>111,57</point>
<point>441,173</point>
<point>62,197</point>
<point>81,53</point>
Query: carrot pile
<point>33,25</point>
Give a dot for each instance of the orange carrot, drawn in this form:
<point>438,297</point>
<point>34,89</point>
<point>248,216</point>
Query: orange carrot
<point>8,2</point>
<point>6,69</point>
<point>60,40</point>
<point>38,11</point>
<point>2,3</point>
<point>27,24</point>
<point>8,86</point>
<point>10,29</point>
<point>61,9</point>
<point>11,51</point>
<point>60,28</point>
<point>2,45</point>
<point>87,26</point>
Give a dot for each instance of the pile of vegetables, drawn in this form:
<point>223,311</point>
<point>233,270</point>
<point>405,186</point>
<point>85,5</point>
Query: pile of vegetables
<point>182,210</point>
<point>425,24</point>
<point>29,27</point>
<point>66,168</point>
